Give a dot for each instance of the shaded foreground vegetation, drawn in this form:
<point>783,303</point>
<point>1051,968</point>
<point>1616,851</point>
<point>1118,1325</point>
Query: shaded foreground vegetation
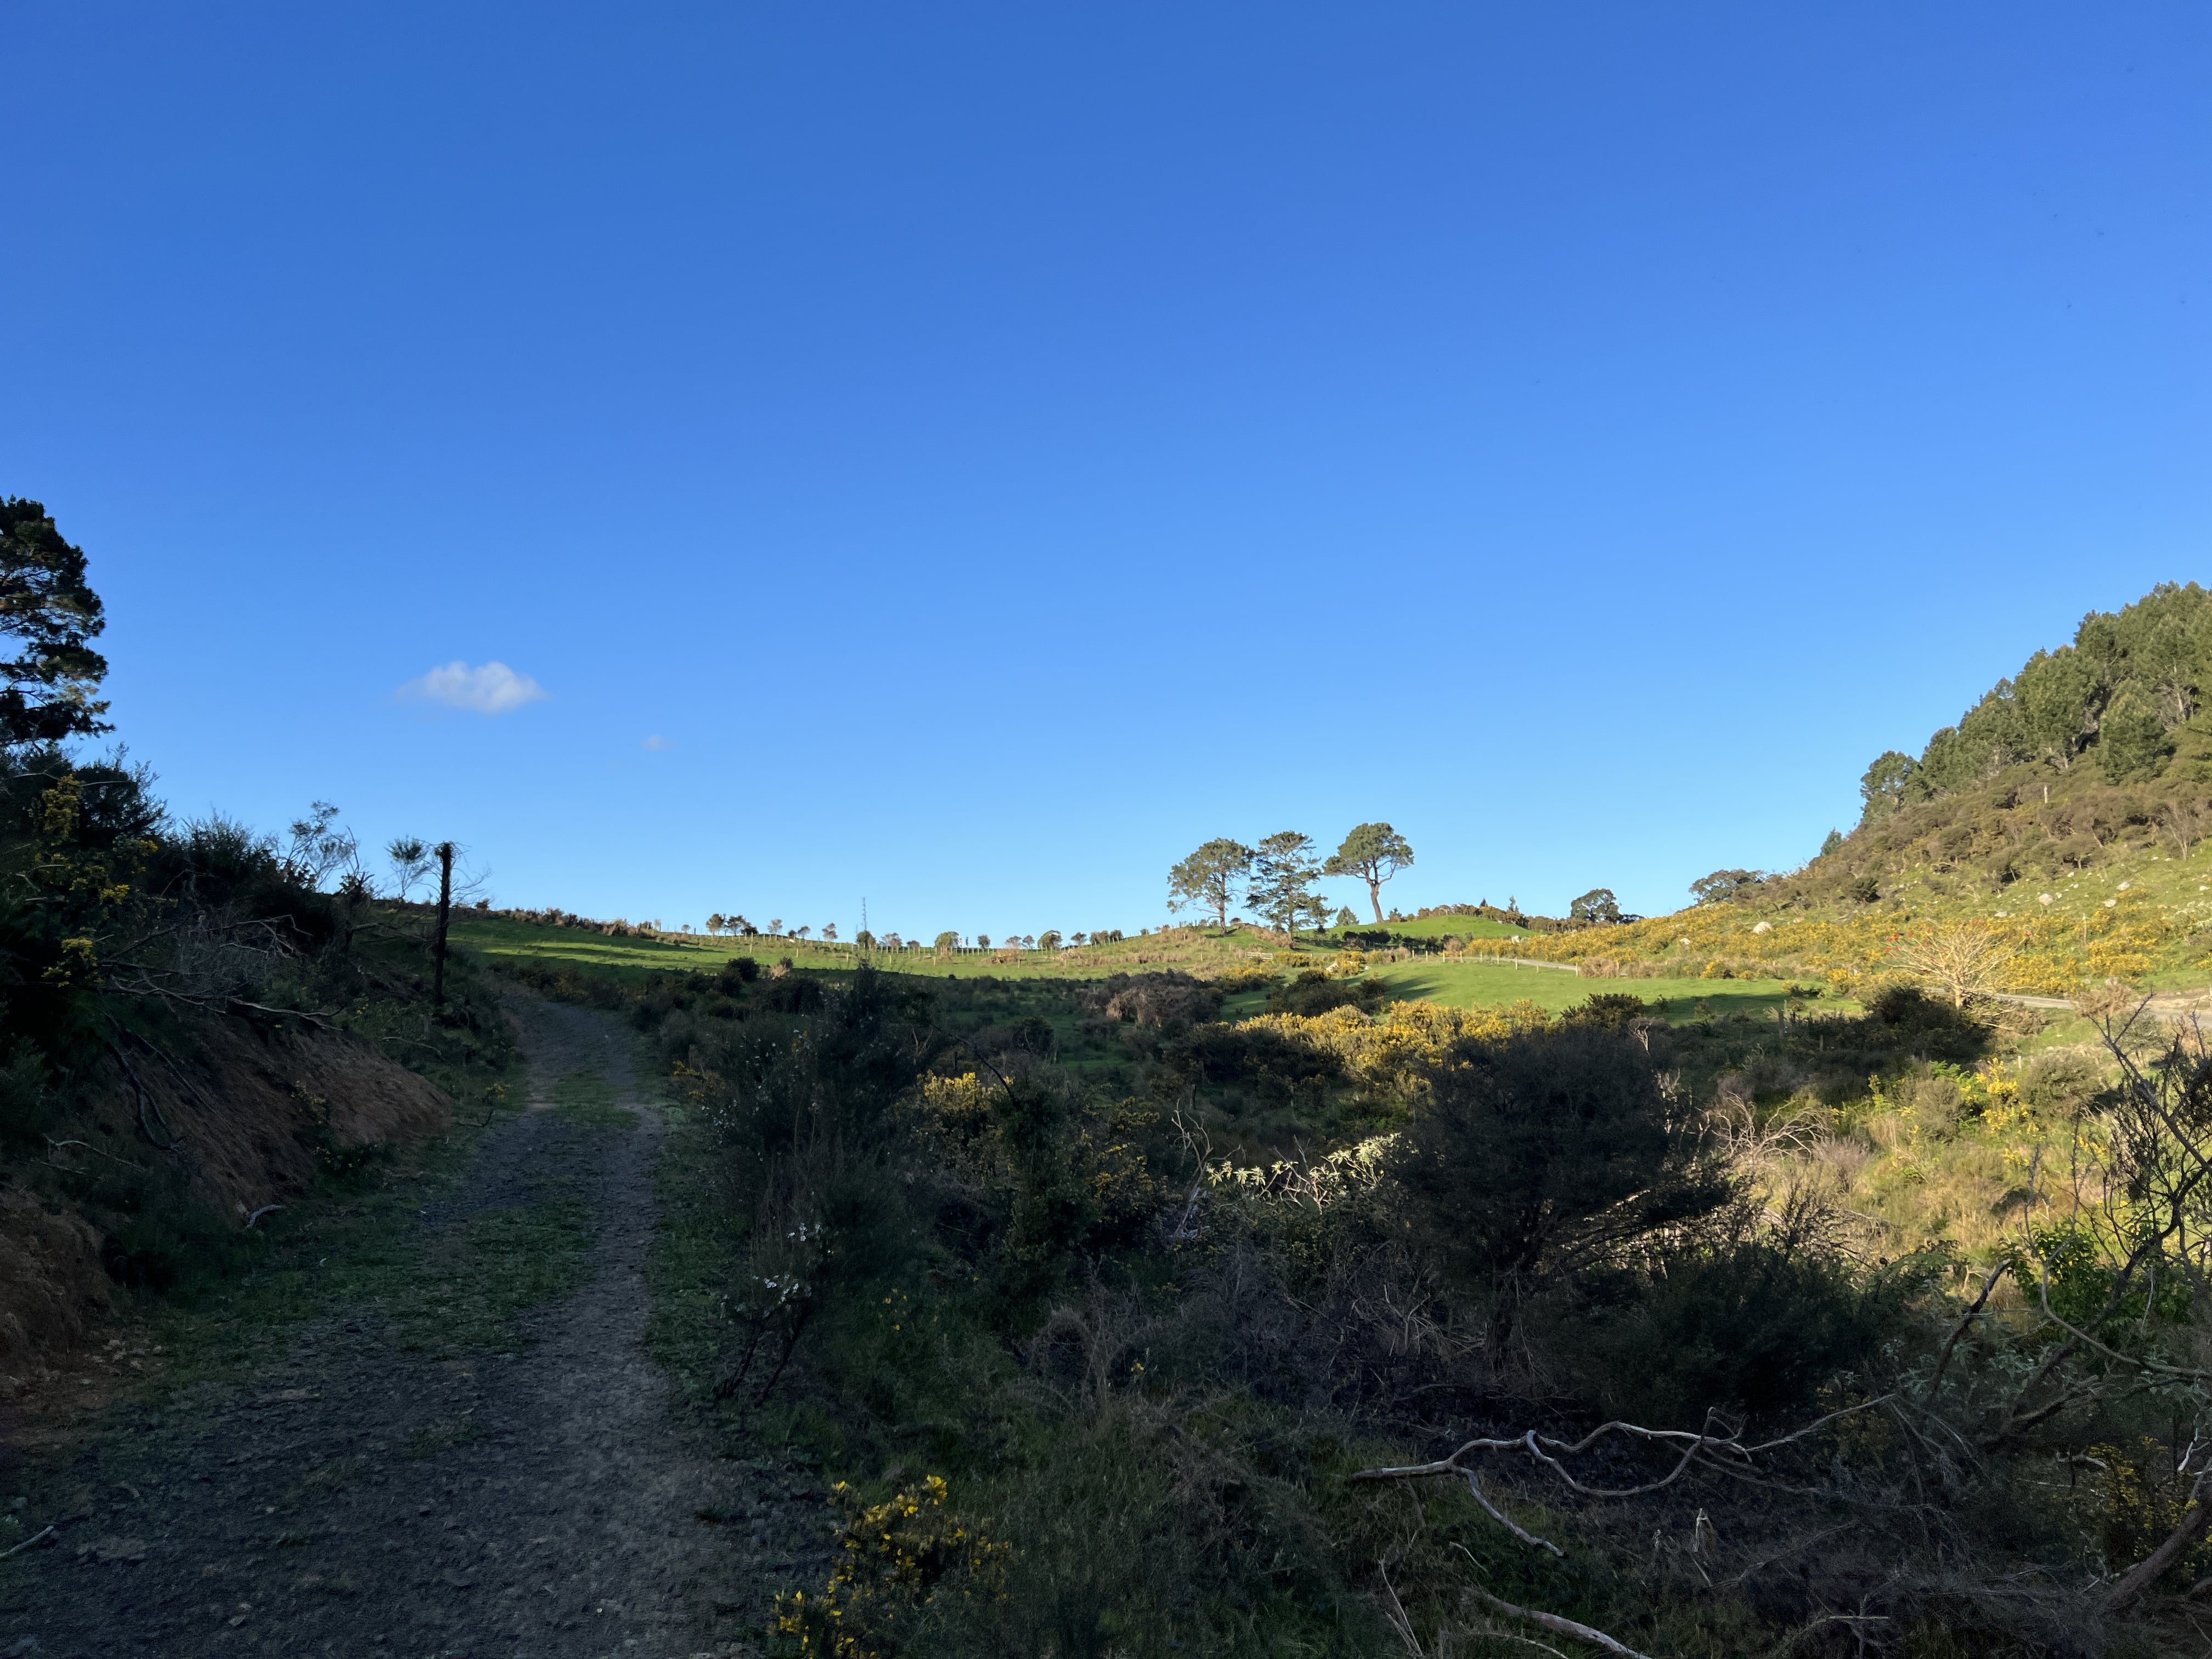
<point>1158,1316</point>
<point>194,1036</point>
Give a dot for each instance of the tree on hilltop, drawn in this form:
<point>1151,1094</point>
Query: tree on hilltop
<point>1207,879</point>
<point>830,931</point>
<point>46,689</point>
<point>946,942</point>
<point>1284,870</point>
<point>2059,697</point>
<point>1725,884</point>
<point>1345,919</point>
<point>1890,781</point>
<point>1374,853</point>
<point>1596,905</point>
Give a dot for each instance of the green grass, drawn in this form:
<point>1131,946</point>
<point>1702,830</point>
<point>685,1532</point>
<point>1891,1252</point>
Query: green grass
<point>495,936</point>
<point>694,1253</point>
<point>1483,984</point>
<point>362,1245</point>
<point>588,1099</point>
<point>1193,950</point>
<point>1457,984</point>
<point>1439,926</point>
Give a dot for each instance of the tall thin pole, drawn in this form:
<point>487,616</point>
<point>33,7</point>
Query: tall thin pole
<point>445,910</point>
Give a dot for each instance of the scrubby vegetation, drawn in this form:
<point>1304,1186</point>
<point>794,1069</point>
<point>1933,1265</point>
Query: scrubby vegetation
<point>1151,1314</point>
<point>1202,1291</point>
<point>197,1023</point>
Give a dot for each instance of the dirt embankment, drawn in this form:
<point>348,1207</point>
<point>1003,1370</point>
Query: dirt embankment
<point>234,1119</point>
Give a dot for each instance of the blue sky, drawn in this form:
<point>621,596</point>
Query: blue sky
<point>965,456</point>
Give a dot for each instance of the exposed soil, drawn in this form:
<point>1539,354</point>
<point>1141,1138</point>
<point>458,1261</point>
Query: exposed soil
<point>231,1105</point>
<point>356,1499</point>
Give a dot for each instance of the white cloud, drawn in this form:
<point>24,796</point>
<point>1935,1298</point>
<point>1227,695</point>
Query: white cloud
<point>656,742</point>
<point>494,689</point>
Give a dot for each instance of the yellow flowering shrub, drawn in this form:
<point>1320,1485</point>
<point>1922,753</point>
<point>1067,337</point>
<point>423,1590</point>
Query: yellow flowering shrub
<point>1251,976</point>
<point>1384,1049</point>
<point>897,1557</point>
<point>2056,952</point>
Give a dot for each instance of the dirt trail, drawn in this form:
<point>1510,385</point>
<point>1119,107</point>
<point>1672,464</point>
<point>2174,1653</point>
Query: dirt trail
<point>357,1500</point>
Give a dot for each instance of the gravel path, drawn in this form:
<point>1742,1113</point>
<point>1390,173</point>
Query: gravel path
<point>355,1500</point>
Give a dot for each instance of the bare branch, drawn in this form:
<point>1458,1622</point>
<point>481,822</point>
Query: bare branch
<point>1556,1625</point>
<point>1943,1359</point>
<point>1475,1485</point>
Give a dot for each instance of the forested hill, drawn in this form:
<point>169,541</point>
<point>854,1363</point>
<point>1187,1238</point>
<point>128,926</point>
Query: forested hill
<point>2061,816</point>
<point>2123,700</point>
<point>2099,751</point>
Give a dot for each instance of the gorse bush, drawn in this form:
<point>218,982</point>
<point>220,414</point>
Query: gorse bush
<point>1547,1152</point>
<point>898,1558</point>
<point>1146,1372</point>
<point>1749,1325</point>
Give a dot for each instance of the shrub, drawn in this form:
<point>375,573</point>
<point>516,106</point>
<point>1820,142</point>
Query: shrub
<point>897,1556</point>
<point>1749,1325</point>
<point>1313,993</point>
<point>1545,1152</point>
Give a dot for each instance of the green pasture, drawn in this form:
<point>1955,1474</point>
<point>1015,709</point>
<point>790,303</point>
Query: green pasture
<point>1484,984</point>
<point>1439,926</point>
<point>1470,984</point>
<point>1193,950</point>
<point>495,936</point>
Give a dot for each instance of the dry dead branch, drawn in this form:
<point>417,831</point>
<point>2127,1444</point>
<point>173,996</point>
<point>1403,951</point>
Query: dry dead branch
<point>1553,1623</point>
<point>1724,1453</point>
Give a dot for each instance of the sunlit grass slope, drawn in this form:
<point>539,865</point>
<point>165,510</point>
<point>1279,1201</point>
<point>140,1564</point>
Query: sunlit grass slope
<point>1192,949</point>
<point>1455,982</point>
<point>2144,919</point>
<point>1478,984</point>
<point>1442,927</point>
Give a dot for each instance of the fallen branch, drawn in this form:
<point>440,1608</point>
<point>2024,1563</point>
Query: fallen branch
<point>1475,1485</point>
<point>2146,1572</point>
<point>1556,1625</point>
<point>43,1532</point>
<point>266,1209</point>
<point>1724,1452</point>
<point>90,1147</point>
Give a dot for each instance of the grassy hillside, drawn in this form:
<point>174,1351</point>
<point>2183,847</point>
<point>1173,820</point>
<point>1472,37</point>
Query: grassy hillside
<point>2141,915</point>
<point>1452,982</point>
<point>1192,949</point>
<point>1446,926</point>
<point>2061,818</point>
<point>1473,983</point>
